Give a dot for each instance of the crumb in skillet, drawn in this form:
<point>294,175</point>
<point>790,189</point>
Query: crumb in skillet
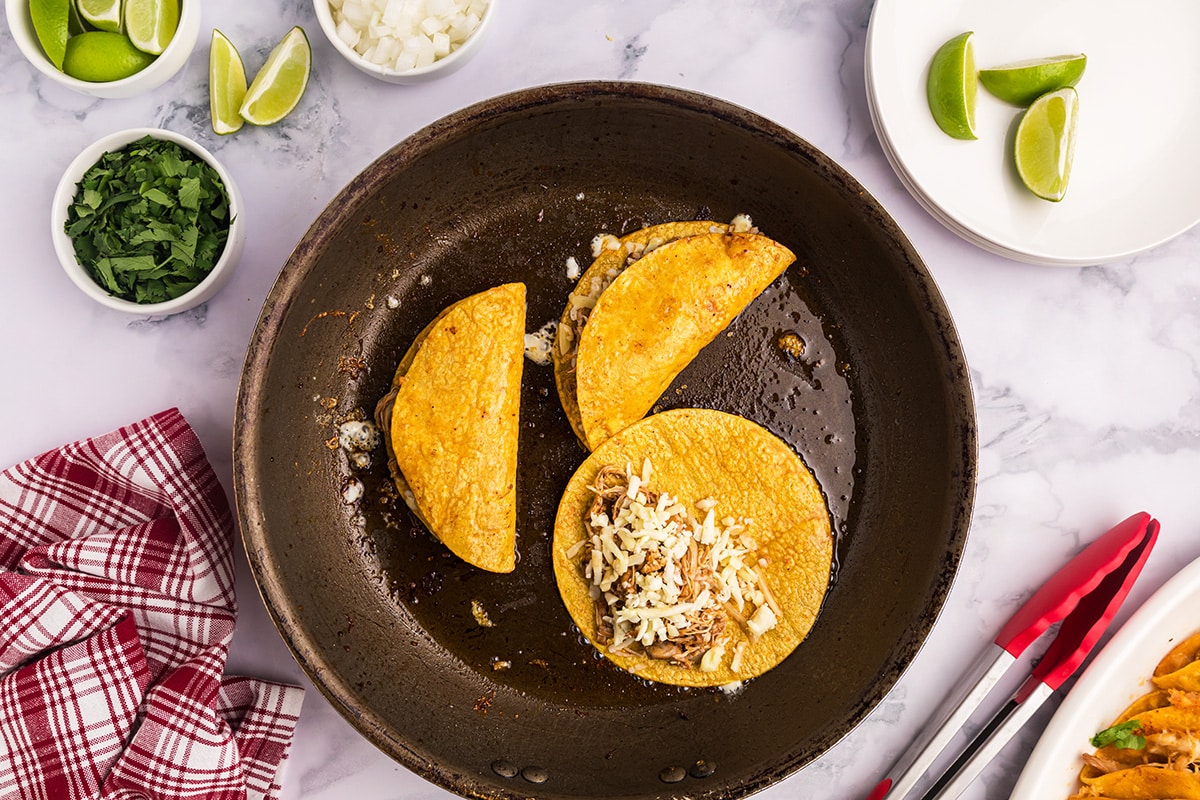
<point>790,344</point>
<point>480,613</point>
<point>485,702</point>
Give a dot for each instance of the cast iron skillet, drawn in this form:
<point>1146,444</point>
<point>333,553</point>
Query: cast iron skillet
<point>395,631</point>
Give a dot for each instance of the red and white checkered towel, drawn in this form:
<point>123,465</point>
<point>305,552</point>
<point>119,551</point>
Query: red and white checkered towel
<point>116,611</point>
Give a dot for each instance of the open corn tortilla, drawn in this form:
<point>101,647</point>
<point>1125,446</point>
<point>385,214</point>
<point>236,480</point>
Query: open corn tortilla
<point>657,315</point>
<point>751,473</point>
<point>452,424</point>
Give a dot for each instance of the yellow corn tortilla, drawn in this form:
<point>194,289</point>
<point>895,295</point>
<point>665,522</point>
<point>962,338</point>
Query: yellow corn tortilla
<point>1180,668</point>
<point>453,425</point>
<point>658,315</point>
<point>1147,782</point>
<point>599,275</point>
<point>697,454</point>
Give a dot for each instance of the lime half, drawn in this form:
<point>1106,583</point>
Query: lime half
<point>952,86</point>
<point>1045,143</point>
<point>50,22</point>
<point>102,56</point>
<point>1022,82</point>
<point>226,84</point>
<point>150,24</point>
<point>279,85</point>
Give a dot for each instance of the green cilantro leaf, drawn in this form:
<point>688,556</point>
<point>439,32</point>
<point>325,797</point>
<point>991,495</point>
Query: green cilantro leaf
<point>1124,735</point>
<point>149,221</point>
<point>189,193</point>
<point>156,195</point>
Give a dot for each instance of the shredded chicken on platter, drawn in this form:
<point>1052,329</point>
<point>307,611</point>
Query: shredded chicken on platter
<point>1162,744</point>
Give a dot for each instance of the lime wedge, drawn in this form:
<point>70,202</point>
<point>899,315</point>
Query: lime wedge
<point>278,86</point>
<point>1045,143</point>
<point>50,22</point>
<point>150,24</point>
<point>1022,82</point>
<point>102,56</point>
<point>103,15</point>
<point>75,23</point>
<point>951,86</point>
<point>226,84</point>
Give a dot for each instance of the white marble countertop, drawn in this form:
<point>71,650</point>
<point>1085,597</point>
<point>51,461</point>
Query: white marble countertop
<point>1086,380</point>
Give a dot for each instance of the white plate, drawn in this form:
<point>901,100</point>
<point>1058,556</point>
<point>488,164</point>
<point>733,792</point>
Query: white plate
<point>1118,676</point>
<point>1136,166</point>
<point>928,204</point>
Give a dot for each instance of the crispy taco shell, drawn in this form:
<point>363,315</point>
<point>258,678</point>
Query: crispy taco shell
<point>697,454</point>
<point>1147,782</point>
<point>451,425</point>
<point>656,317</point>
<point>611,262</point>
<point>1180,668</point>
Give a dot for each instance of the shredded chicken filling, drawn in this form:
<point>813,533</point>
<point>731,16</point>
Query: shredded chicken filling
<point>665,583</point>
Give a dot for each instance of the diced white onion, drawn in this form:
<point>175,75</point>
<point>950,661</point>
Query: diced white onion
<point>403,34</point>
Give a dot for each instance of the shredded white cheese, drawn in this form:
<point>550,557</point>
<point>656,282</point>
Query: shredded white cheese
<point>358,438</point>
<point>604,241</point>
<point>741,224</point>
<point>573,272</point>
<point>538,344</point>
<point>663,574</point>
<point>353,491</point>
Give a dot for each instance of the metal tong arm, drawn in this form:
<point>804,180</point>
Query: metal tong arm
<point>1104,569</point>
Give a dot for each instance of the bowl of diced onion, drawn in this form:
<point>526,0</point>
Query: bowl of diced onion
<point>405,41</point>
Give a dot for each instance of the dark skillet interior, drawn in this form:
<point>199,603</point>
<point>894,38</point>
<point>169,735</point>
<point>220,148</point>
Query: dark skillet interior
<point>379,614</point>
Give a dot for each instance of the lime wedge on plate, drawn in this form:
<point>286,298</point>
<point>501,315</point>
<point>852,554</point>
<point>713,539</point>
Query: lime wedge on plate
<point>102,56</point>
<point>150,24</point>
<point>1045,143</point>
<point>103,15</point>
<point>278,86</point>
<point>50,23</point>
<point>1022,82</point>
<point>226,84</point>
<point>951,86</point>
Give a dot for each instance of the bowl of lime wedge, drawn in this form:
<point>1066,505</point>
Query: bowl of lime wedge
<point>105,48</point>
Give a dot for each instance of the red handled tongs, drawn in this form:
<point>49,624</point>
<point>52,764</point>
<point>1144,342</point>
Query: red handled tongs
<point>1085,595</point>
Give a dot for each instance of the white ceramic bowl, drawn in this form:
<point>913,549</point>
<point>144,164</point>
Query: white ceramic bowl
<point>157,73</point>
<point>442,66</point>
<point>65,193</point>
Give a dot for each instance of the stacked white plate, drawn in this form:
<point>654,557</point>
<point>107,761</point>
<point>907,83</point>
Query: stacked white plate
<point>1136,176</point>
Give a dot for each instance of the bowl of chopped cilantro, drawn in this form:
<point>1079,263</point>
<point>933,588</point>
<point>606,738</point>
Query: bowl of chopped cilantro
<point>148,222</point>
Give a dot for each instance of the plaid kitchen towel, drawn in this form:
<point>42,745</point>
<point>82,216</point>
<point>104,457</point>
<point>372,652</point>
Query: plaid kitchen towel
<point>116,610</point>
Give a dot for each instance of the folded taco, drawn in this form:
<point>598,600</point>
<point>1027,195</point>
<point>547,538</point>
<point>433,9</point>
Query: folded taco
<point>693,548</point>
<point>632,326</point>
<point>450,423</point>
<point>612,256</point>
